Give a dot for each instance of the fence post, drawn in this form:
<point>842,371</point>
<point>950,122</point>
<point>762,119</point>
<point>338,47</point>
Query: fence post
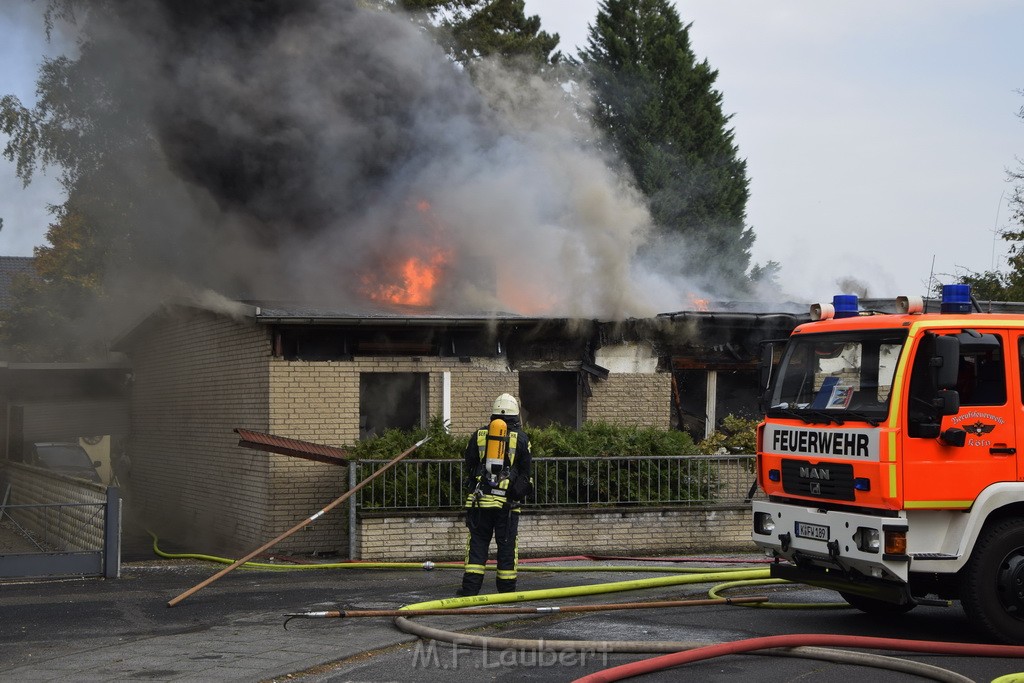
<point>352,545</point>
<point>112,534</point>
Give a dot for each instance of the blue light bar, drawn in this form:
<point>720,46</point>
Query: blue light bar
<point>862,484</point>
<point>846,305</point>
<point>956,299</point>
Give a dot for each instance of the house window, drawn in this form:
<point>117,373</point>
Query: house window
<point>690,400</point>
<point>550,398</point>
<point>703,398</point>
<point>736,394</point>
<point>391,400</point>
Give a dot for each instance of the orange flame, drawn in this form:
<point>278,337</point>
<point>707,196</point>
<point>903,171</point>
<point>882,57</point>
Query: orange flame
<point>411,280</point>
<point>699,304</point>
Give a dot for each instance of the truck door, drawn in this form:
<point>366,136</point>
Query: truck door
<point>940,473</point>
<point>1016,394</point>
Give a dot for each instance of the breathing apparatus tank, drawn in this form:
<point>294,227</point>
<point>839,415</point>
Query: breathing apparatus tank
<point>497,446</point>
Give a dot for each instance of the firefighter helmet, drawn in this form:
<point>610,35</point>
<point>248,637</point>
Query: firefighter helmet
<point>506,404</point>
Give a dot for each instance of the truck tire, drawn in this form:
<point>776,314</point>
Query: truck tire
<point>874,605</point>
<point>992,590</point>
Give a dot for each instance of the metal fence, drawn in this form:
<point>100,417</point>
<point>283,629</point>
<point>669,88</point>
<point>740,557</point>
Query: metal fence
<point>567,482</point>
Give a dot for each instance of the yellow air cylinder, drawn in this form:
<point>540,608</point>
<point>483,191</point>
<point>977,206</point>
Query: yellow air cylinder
<point>497,443</point>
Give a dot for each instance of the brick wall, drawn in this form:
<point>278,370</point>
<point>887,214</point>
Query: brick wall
<point>641,400</point>
<point>197,377</point>
<point>319,400</point>
<point>442,537</point>
<point>474,388</point>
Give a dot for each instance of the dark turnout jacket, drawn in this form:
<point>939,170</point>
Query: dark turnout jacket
<point>518,485</point>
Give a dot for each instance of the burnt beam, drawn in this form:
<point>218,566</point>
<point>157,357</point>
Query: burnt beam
<point>292,447</point>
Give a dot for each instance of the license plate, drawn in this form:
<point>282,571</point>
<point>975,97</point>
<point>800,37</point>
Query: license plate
<point>815,531</point>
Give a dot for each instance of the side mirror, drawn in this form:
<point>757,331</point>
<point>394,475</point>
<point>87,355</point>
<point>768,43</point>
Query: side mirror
<point>767,356</point>
<point>946,362</point>
<point>954,436</point>
<point>947,402</point>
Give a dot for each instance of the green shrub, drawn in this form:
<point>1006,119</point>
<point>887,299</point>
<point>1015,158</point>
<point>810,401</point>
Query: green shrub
<point>599,440</point>
<point>737,436</point>
<point>595,479</point>
<point>441,446</point>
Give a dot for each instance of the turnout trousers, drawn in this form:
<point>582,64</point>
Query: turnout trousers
<point>502,525</point>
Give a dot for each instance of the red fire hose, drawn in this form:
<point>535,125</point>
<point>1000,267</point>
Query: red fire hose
<point>661,662</point>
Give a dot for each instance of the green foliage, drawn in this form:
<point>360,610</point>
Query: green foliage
<point>593,439</point>
<point>737,436</point>
<point>101,144</point>
<point>597,477</point>
<point>442,445</point>
<point>659,108</point>
<point>766,276</point>
<point>598,439</point>
<point>49,320</point>
<point>992,285</point>
<point>411,484</point>
<point>472,29</point>
<point>501,28</point>
<point>996,285</point>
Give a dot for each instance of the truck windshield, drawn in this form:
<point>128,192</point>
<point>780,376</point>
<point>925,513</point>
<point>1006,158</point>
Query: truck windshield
<point>837,377</point>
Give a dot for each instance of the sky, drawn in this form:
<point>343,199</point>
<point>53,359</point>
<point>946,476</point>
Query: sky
<point>23,209</point>
<point>877,135</point>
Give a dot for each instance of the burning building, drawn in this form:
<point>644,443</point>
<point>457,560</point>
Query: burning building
<point>469,234</point>
<point>328,376</point>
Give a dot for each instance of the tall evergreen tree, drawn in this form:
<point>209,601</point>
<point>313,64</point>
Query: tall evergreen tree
<point>489,28</point>
<point>663,116</point>
<point>995,285</point>
<point>501,28</point>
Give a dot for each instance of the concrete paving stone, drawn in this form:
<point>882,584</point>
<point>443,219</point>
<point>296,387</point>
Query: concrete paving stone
<point>31,676</point>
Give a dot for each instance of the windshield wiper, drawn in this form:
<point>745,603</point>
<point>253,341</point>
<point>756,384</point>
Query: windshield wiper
<point>873,421</point>
<point>829,418</point>
<point>785,410</point>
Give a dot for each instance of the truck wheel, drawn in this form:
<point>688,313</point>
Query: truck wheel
<point>992,590</point>
<point>874,605</point>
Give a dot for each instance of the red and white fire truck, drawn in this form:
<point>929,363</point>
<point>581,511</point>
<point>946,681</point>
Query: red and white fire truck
<point>889,456</point>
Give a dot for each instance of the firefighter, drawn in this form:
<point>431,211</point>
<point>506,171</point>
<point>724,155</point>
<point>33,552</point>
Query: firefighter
<point>497,459</point>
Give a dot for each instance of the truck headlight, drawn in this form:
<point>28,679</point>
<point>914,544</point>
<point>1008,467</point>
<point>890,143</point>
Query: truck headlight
<point>763,523</point>
<point>867,539</point>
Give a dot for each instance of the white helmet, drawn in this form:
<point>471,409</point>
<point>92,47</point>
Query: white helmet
<point>506,404</point>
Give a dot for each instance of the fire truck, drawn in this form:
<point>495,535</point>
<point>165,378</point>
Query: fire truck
<point>889,458</point>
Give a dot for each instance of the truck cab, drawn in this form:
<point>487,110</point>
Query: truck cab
<point>889,458</point>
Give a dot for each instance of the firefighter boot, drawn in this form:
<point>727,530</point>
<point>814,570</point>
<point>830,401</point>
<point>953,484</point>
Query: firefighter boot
<point>471,584</point>
<point>506,585</point>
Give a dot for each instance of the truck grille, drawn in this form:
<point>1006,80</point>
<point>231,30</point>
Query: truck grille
<point>818,480</point>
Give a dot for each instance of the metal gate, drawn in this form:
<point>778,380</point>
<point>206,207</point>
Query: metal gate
<point>54,533</point>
